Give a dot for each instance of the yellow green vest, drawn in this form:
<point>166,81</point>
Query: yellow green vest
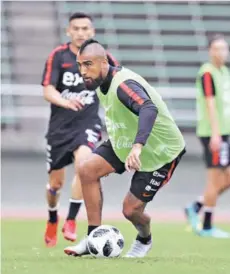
<point>165,141</point>
<point>221,79</point>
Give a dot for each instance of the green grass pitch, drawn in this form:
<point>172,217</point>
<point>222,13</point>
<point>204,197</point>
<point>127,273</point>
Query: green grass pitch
<point>174,251</point>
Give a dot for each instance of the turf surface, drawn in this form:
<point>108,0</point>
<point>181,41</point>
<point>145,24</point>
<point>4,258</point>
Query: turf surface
<point>174,251</point>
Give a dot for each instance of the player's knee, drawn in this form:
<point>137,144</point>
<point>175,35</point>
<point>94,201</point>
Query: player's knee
<point>226,182</point>
<point>128,211</point>
<point>55,186</point>
<point>85,173</point>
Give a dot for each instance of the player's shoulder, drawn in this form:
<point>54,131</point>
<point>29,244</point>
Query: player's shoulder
<point>59,49</point>
<point>206,68</point>
<point>112,60</point>
<point>130,74</point>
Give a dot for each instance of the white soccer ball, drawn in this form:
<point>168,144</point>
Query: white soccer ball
<point>105,241</point>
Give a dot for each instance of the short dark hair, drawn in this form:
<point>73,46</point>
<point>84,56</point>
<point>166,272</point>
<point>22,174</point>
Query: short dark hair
<point>79,15</point>
<point>215,37</point>
<point>86,43</point>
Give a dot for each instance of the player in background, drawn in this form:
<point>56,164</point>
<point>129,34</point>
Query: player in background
<point>142,137</point>
<point>213,130</point>
<point>74,125</point>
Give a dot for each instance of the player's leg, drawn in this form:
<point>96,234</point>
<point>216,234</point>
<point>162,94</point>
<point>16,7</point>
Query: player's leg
<point>212,190</point>
<point>219,182</point>
<point>69,228</point>
<point>133,210</point>
<point>56,181</point>
<point>216,184</point>
<point>90,173</point>
<point>76,199</point>
<point>85,142</point>
<point>57,159</point>
<point>99,164</point>
<point>227,180</point>
<point>193,209</point>
<point>141,192</point>
<point>144,187</point>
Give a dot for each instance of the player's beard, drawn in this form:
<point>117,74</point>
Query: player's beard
<point>95,83</point>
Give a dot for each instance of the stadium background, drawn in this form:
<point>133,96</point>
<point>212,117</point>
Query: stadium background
<point>163,41</point>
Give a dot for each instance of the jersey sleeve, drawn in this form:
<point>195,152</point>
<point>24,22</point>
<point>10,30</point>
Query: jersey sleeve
<point>135,98</point>
<point>112,60</point>
<point>208,86</point>
<point>52,69</point>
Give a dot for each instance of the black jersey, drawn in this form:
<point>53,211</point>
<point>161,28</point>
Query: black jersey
<point>61,71</point>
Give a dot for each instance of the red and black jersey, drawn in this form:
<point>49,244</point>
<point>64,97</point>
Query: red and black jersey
<point>62,72</point>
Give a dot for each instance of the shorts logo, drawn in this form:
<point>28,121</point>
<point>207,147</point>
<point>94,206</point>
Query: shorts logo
<point>224,154</point>
<point>93,136</point>
<point>48,157</point>
<point>157,174</point>
<point>146,194</point>
<point>154,183</point>
<point>149,188</point>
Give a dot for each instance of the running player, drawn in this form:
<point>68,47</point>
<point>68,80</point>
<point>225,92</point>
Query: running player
<point>213,129</point>
<point>74,126</point>
<point>142,137</point>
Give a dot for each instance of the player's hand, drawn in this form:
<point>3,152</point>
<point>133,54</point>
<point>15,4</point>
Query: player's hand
<point>215,143</point>
<point>74,104</point>
<point>133,160</point>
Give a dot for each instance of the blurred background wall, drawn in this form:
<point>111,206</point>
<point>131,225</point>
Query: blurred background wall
<point>163,41</point>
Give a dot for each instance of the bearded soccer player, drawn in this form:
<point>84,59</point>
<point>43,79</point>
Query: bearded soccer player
<point>213,129</point>
<point>74,126</point>
<point>143,137</point>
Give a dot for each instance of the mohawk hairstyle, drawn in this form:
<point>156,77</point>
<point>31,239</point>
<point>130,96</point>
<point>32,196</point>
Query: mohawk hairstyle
<point>86,43</point>
<point>79,15</point>
<point>215,37</point>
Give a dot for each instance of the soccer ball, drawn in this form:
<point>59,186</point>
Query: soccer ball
<point>105,241</point>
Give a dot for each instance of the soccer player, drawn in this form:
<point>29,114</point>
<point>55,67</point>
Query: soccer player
<point>74,126</point>
<point>213,129</point>
<point>143,137</point>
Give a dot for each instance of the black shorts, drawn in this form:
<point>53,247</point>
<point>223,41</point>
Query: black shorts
<point>60,156</point>
<point>219,159</point>
<point>144,185</point>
